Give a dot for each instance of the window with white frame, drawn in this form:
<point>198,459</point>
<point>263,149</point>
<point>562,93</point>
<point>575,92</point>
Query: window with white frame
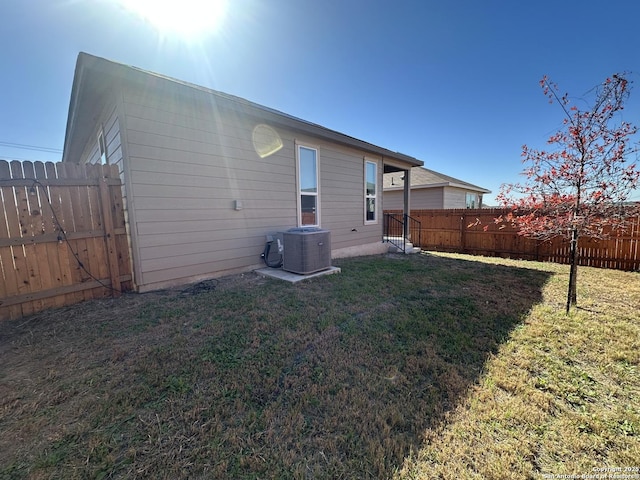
<point>102,146</point>
<point>308,191</point>
<point>370,191</point>
<point>472,200</point>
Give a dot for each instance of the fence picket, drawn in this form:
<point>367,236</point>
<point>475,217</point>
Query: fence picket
<point>8,216</point>
<point>49,227</point>
<point>37,252</point>
<point>19,205</point>
<point>57,201</point>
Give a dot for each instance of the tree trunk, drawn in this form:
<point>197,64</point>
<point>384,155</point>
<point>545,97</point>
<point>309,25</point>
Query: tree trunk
<point>572,296</point>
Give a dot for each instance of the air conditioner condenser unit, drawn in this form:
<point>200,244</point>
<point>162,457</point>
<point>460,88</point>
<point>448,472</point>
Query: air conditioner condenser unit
<point>306,250</point>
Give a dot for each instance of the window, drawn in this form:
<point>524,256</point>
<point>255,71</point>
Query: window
<point>471,200</point>
<point>370,191</point>
<point>103,148</point>
<point>308,186</point>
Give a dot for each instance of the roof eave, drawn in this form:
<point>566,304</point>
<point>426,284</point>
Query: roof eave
<point>73,102</point>
<point>441,185</point>
<point>88,62</point>
<point>470,187</point>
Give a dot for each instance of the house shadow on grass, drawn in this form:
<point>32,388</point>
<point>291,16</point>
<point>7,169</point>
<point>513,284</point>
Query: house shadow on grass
<point>338,377</point>
<point>405,355</point>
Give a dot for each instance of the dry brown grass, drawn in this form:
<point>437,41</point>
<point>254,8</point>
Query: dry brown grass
<point>415,367</point>
<point>560,397</point>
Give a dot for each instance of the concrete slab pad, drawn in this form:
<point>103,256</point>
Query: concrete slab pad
<point>294,277</point>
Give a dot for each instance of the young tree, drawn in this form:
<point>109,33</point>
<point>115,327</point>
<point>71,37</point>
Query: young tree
<point>580,186</point>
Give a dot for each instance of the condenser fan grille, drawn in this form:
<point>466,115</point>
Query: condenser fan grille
<point>306,250</point>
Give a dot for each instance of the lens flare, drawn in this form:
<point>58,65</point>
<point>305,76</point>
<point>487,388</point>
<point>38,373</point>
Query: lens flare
<point>187,18</point>
<point>266,140</point>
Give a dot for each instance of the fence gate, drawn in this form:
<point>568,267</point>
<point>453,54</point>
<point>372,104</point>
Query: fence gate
<point>62,236</point>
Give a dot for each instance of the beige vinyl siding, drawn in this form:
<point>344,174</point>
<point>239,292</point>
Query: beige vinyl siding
<point>111,128</point>
<point>188,160</point>
<point>112,141</point>
<point>393,200</point>
<point>342,196</point>
<point>427,198</point>
<point>421,198</point>
<point>455,197</point>
<point>188,163</point>
<point>93,155</point>
<point>91,151</point>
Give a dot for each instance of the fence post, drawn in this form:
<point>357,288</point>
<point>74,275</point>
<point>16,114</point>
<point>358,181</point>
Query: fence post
<point>463,230</point>
<point>109,236</point>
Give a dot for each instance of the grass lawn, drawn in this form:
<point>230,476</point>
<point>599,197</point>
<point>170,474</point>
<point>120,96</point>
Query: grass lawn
<point>403,367</point>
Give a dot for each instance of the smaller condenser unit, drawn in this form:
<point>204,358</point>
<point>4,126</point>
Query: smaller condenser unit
<point>306,250</point>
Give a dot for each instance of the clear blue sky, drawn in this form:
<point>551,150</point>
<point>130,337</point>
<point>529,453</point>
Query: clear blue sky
<point>451,82</point>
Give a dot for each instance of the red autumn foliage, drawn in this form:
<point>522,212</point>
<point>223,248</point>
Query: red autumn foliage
<point>580,186</point>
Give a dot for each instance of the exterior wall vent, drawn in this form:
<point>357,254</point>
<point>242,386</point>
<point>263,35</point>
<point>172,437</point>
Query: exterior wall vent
<point>306,250</point>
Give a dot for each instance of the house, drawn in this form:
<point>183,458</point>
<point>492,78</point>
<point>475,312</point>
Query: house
<point>430,190</point>
<point>207,176</point>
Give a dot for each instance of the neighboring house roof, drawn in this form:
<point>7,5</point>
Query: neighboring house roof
<point>424,178</point>
<point>93,74</point>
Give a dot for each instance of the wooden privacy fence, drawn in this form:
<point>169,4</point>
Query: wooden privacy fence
<point>62,236</point>
<point>448,230</point>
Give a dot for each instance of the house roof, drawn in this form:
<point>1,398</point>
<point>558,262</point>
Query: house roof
<point>93,76</point>
<point>424,178</point>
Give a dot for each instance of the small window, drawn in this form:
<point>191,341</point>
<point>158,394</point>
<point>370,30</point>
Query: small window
<point>103,148</point>
<point>308,186</point>
<point>370,191</point>
<point>472,200</point>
